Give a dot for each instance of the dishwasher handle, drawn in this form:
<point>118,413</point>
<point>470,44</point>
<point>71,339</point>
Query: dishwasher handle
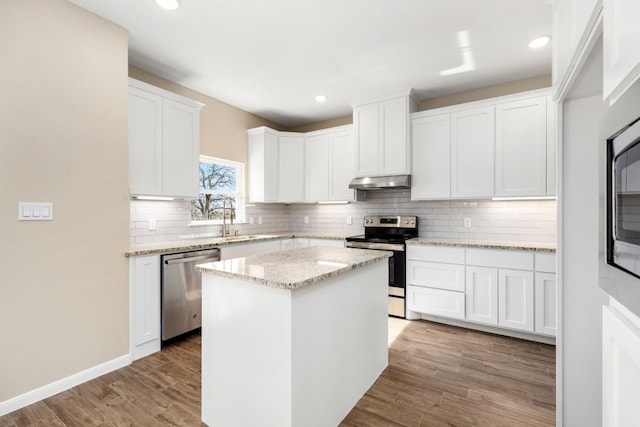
<point>209,255</point>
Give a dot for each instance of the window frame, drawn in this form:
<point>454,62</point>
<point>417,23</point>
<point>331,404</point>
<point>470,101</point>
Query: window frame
<point>239,193</point>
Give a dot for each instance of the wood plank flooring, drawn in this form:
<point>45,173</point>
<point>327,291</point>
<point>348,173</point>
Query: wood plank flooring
<point>438,375</point>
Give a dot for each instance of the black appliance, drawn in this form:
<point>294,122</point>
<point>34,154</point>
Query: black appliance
<point>389,233</point>
<point>623,199</point>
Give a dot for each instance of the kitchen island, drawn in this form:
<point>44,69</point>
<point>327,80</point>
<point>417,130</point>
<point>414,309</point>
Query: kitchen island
<point>292,338</point>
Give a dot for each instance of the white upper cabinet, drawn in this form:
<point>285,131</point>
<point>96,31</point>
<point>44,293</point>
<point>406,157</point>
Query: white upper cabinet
<point>574,32</point>
<point>501,147</point>
<point>341,165</point>
<point>263,165</point>
<point>521,148</point>
<point>381,132</point>
<point>317,168</point>
<point>431,157</point>
<point>290,167</point>
<point>329,165</point>
<point>621,33</point>
<point>291,171</point>
<point>164,142</point>
<point>472,151</point>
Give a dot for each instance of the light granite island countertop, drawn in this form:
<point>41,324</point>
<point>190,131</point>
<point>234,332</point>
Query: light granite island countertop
<point>292,338</point>
<point>295,268</point>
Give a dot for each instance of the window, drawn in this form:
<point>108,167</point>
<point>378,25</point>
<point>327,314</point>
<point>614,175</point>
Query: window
<point>220,192</point>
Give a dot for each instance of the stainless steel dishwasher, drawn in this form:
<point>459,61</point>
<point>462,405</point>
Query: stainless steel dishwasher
<point>182,291</point>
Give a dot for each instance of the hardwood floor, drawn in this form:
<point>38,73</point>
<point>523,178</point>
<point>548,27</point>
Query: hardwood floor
<point>438,375</point>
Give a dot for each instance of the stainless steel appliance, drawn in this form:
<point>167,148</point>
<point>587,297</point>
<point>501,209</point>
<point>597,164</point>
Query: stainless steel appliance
<point>623,199</point>
<point>182,291</point>
<point>389,233</point>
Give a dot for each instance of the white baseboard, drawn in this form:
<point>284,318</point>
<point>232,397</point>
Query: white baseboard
<point>63,384</point>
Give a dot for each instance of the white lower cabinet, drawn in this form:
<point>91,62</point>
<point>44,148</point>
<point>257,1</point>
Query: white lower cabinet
<point>493,287</point>
<point>435,281</point>
<point>437,302</point>
<point>482,295</point>
<point>144,303</point>
<point>248,249</point>
<point>546,306</point>
<point>515,299</point>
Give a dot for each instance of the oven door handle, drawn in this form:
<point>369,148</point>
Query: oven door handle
<point>378,246</point>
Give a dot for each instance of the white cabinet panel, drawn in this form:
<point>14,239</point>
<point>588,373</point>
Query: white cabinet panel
<point>325,242</point>
<point>164,142</point>
<point>287,244</point>
<point>503,258</point>
<point>317,168</point>
<point>145,152</point>
<point>437,302</point>
<point>381,131</point>
<point>573,22</point>
<point>248,249</point>
<point>144,278</point>
<point>431,157</point>
<point>620,368</point>
<point>291,169</point>
<point>180,149</point>
<point>545,262</point>
<point>621,33</point>
<point>482,295</point>
<point>516,299</point>
<point>521,148</point>
<point>472,152</point>
<point>546,307</point>
<point>445,254</point>
<point>394,150</point>
<point>263,165</point>
<point>366,128</point>
<point>341,164</point>
<point>436,275</point>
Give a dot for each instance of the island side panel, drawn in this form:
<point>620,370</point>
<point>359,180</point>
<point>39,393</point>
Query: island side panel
<point>340,343</point>
<point>246,353</point>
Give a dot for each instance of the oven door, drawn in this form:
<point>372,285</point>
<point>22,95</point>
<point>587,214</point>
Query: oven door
<point>397,284</point>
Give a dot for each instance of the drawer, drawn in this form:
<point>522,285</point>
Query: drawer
<point>516,260</point>
<point>436,275</point>
<point>448,254</point>
<point>436,302</point>
<point>546,262</point>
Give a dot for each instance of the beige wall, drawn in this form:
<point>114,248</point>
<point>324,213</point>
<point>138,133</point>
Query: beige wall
<point>486,92</point>
<point>347,120</point>
<point>63,139</point>
<point>502,89</point>
<point>223,128</point>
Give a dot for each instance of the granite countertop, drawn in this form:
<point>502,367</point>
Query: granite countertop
<point>202,243</point>
<point>296,268</point>
<point>486,244</point>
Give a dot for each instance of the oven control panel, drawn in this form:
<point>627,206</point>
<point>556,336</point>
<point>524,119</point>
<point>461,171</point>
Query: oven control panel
<point>391,221</point>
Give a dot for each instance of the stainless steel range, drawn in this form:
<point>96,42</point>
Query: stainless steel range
<point>389,233</point>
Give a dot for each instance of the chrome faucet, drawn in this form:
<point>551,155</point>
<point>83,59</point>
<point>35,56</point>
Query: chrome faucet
<point>225,230</point>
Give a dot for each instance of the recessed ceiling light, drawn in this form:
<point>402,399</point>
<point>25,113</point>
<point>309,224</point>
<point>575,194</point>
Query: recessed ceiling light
<point>168,4</point>
<point>539,42</point>
<point>321,98</point>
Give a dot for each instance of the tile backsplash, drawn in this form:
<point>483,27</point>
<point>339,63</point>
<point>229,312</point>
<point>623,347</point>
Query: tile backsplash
<point>519,221</point>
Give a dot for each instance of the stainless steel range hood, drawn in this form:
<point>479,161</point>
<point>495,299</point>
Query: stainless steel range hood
<point>381,182</point>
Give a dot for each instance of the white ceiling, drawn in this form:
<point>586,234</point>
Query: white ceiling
<point>272,57</point>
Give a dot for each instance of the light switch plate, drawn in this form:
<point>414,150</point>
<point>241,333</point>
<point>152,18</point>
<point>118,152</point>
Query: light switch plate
<point>35,211</point>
